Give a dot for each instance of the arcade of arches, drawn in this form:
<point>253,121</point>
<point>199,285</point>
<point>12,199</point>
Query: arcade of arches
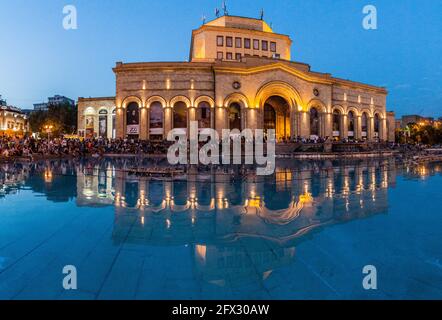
<point>275,113</point>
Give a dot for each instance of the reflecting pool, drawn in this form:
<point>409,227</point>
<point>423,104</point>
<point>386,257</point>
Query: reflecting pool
<point>305,232</point>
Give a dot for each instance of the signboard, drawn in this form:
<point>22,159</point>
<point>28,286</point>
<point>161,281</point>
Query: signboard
<point>351,134</point>
<point>133,129</point>
<point>364,133</point>
<point>157,131</point>
<point>336,134</point>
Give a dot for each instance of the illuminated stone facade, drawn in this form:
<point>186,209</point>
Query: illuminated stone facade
<point>239,76</point>
<point>13,121</point>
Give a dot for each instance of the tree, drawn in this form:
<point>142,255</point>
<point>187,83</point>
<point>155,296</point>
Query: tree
<point>62,118</point>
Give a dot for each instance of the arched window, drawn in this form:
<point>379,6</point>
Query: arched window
<point>314,122</point>
<point>364,124</point>
<point>156,120</point>
<point>351,121</point>
<point>180,115</point>
<point>336,123</point>
<point>102,123</point>
<point>376,123</point>
<point>235,116</point>
<point>133,119</point>
<point>203,113</point>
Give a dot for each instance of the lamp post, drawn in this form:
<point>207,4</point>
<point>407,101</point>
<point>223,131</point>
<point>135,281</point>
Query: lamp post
<point>48,129</point>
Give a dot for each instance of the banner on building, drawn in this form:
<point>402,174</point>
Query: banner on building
<point>133,129</point>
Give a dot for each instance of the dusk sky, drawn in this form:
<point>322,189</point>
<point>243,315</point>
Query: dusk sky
<point>38,58</point>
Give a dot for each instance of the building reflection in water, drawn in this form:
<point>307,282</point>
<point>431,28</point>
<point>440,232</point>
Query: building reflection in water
<point>239,227</point>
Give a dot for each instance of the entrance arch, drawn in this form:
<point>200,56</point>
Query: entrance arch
<point>277,117</point>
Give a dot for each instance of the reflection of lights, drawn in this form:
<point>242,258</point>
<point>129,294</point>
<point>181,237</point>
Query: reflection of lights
<point>168,223</point>
<point>253,203</point>
<point>329,191</point>
<point>385,180</point>
<point>142,220</point>
<point>306,198</point>
<point>201,251</point>
<point>422,171</point>
<point>306,189</point>
<point>346,188</point>
<point>48,176</point>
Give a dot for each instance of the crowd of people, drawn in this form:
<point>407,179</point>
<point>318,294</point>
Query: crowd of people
<point>29,147</point>
<point>13,147</point>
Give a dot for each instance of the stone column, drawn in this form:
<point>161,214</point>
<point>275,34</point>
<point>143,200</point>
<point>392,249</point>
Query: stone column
<point>96,126</point>
<point>293,122</point>
<point>383,130</point>
<point>344,126</point>
<point>370,133</point>
<point>358,127</point>
<point>147,123</point>
<point>143,123</point>
<point>191,116</point>
<point>120,119</point>
<point>168,119</point>
<point>212,118</point>
<point>328,124</point>
<point>220,119</point>
<point>109,124</point>
<point>252,118</point>
<point>304,123</point>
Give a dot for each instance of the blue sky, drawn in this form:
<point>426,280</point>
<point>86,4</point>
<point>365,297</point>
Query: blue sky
<point>38,58</point>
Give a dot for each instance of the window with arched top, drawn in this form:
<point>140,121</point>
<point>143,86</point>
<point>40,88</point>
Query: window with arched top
<point>336,121</point>
<point>364,122</point>
<point>314,122</point>
<point>351,121</point>
<point>156,120</point>
<point>133,119</point>
<point>180,115</point>
<point>235,116</point>
<point>203,115</point>
<point>377,121</point>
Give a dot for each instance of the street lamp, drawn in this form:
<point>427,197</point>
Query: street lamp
<point>48,129</point>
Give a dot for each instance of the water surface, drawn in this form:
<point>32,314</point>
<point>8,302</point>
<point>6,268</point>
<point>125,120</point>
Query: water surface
<point>221,233</point>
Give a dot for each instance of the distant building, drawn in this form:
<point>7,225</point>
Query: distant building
<point>416,119</point>
<point>12,120</point>
<point>53,101</point>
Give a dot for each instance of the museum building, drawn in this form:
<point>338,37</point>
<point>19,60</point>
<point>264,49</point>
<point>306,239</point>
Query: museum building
<point>239,75</point>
